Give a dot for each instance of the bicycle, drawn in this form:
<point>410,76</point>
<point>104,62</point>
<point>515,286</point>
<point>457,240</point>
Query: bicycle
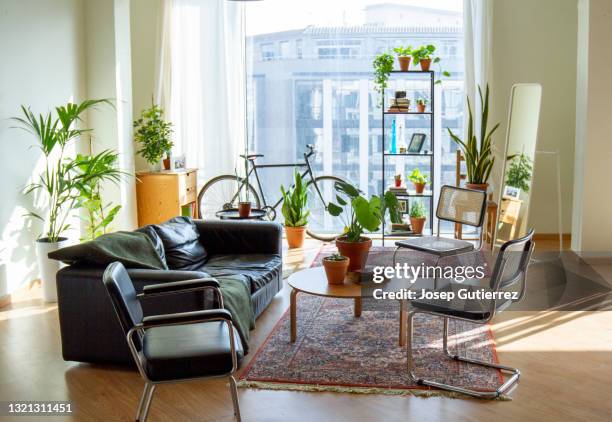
<point>222,193</point>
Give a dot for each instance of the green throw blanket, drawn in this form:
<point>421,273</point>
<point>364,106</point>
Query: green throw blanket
<point>237,300</point>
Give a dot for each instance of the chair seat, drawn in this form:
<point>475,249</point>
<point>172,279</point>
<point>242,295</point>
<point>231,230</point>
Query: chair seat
<point>189,351</point>
<point>440,246</point>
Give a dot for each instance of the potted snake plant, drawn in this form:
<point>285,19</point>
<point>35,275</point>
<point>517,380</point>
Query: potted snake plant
<point>294,211</point>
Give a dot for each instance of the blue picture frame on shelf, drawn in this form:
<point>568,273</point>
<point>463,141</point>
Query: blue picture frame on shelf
<point>416,143</point>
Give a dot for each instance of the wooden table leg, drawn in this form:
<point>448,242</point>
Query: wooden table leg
<point>357,307</point>
<point>403,316</point>
<point>293,314</point>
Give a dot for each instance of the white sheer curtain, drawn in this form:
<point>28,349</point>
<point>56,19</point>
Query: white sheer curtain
<point>207,83</point>
<point>478,41</point>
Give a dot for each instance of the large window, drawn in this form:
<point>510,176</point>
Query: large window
<point>311,82</point>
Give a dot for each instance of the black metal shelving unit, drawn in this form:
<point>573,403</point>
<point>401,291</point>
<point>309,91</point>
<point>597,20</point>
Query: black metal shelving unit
<point>428,194</point>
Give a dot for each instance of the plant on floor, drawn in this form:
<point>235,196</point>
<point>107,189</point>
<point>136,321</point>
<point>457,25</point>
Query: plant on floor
<point>478,153</point>
<point>383,65</point>
<point>403,57</point>
<point>152,132</point>
<point>424,55</point>
<point>295,200</point>
<point>519,172</point>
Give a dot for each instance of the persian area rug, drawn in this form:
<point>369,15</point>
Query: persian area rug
<point>335,351</point>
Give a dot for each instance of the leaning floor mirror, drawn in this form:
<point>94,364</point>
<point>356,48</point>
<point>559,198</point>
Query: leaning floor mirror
<point>521,139</point>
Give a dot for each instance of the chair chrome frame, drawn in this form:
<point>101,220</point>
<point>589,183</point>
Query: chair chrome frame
<point>149,389</point>
<point>515,373</point>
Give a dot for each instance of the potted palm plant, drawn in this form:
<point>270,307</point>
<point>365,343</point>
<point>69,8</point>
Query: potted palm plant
<point>294,211</point>
<point>336,267</point>
<point>358,215</point>
<point>58,182</point>
<point>403,57</point>
<point>152,132</point>
<point>478,153</point>
<point>418,179</point>
<point>418,215</point>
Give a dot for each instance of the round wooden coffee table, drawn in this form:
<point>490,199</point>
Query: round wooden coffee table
<point>314,282</point>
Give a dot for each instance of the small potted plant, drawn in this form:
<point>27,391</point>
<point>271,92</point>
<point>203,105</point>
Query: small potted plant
<point>244,197</point>
<point>295,212</point>
<point>421,104</point>
<point>383,65</point>
<point>403,57</point>
<point>424,55</point>
<point>336,267</point>
<point>153,133</point>
<point>398,180</point>
<point>418,215</point>
<point>419,180</point>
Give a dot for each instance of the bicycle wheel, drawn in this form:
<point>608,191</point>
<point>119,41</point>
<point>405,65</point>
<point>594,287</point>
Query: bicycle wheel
<point>321,224</point>
<point>217,195</point>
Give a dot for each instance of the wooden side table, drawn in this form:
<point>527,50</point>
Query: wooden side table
<point>163,195</point>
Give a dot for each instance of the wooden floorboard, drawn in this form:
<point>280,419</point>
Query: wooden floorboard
<point>565,358</point>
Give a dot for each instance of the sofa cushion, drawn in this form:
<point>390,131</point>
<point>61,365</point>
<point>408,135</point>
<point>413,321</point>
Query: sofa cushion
<point>150,232</point>
<point>182,248</point>
<point>256,270</point>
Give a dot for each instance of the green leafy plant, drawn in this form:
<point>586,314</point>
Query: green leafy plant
<point>427,52</point>
<point>417,177</point>
<point>153,133</point>
<point>402,51</point>
<point>335,257</point>
<point>357,212</point>
<point>418,210</point>
<point>92,171</point>
<point>383,65</point>
<point>59,181</point>
<point>294,203</point>
<point>422,101</point>
<point>392,205</point>
<point>519,172</point>
<point>478,154</point>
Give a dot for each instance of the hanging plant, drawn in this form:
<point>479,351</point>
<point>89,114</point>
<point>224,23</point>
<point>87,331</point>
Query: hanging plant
<point>383,65</point>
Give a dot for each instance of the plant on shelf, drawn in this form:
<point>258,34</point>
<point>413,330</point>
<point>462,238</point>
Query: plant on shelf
<point>152,132</point>
<point>421,104</point>
<point>478,153</point>
<point>403,57</point>
<point>424,55</point>
<point>58,181</point>
<point>295,200</point>
<point>418,215</point>
<point>398,180</point>
<point>519,172</point>
<point>419,179</point>
<point>336,267</point>
<point>358,215</point>
<point>383,65</point>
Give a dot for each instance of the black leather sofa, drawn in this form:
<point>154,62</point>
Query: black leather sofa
<point>90,330</point>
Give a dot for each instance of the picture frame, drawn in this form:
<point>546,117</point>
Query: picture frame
<point>416,143</point>
<point>402,206</point>
<point>177,162</point>
<point>512,192</point>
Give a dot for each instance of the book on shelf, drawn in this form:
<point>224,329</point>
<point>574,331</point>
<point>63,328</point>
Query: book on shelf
<point>401,189</point>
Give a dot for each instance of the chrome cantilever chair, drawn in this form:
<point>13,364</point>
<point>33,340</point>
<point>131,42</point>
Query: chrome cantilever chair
<point>456,205</point>
<point>510,269</point>
<point>175,347</point>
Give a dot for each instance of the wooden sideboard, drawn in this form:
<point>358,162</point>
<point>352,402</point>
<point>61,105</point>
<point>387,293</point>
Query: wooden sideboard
<point>166,194</point>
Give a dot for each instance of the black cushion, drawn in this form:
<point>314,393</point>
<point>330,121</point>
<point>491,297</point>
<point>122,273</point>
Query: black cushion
<point>150,232</point>
<point>255,270</point>
<point>188,351</point>
<point>181,244</point>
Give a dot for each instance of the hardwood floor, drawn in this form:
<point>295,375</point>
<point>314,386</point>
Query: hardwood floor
<point>565,359</point>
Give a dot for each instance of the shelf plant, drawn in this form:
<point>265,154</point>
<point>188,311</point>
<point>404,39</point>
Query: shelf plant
<point>398,180</point>
<point>477,151</point>
<point>383,65</point>
<point>153,133</point>
<point>418,215</point>
<point>421,104</point>
<point>295,212</point>
<point>336,266</point>
<point>519,172</point>
<point>418,179</point>
<point>425,56</point>
<point>404,55</point>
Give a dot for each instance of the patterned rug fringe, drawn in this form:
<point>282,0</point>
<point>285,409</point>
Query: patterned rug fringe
<point>357,390</point>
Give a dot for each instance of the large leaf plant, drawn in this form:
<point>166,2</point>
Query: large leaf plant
<point>295,201</point>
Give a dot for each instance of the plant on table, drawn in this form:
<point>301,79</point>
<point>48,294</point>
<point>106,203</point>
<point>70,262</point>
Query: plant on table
<point>153,133</point>
<point>383,65</point>
<point>403,57</point>
<point>295,212</point>
<point>418,179</point>
<point>418,215</point>
<point>425,56</point>
<point>335,266</point>
<point>519,172</point>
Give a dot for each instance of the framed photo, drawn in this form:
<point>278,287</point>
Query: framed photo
<point>177,162</point>
<point>402,206</point>
<point>416,143</point>
<point>512,192</point>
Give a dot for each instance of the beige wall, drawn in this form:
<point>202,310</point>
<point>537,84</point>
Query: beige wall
<point>535,41</point>
<point>42,66</point>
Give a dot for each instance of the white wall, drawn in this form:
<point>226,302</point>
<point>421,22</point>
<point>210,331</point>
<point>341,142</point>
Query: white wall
<point>535,41</point>
<point>42,66</point>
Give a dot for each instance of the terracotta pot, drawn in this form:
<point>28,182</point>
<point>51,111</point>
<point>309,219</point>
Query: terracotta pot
<point>404,62</point>
<point>356,252</point>
<point>417,224</point>
<point>166,164</point>
<point>244,209</point>
<point>398,183</point>
<point>425,64</point>
<point>295,236</point>
<point>419,187</point>
<point>477,186</point>
<point>421,108</point>
<point>336,270</point>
